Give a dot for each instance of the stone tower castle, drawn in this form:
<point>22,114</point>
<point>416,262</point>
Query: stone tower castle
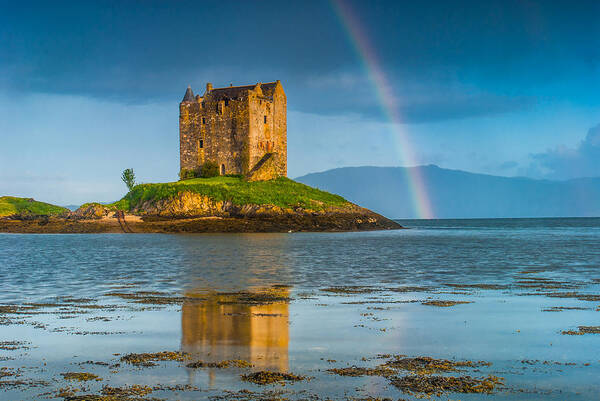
<point>241,128</point>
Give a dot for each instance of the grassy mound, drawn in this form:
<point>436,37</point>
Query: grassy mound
<point>281,192</point>
<point>10,205</point>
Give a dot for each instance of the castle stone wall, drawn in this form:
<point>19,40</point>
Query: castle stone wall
<point>234,127</point>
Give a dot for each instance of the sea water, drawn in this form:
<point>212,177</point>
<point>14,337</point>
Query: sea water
<point>341,299</point>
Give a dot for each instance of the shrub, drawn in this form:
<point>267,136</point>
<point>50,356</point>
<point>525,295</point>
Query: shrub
<point>209,169</point>
<point>187,174</point>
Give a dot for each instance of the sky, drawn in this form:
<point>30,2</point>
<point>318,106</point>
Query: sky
<point>88,89</point>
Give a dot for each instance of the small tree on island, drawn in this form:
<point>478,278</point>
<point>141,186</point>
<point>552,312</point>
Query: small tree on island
<point>128,178</point>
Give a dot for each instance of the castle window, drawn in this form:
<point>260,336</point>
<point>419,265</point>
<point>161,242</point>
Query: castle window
<point>222,169</point>
<point>203,120</point>
<point>201,144</point>
<point>226,102</point>
<point>265,119</point>
<point>203,104</point>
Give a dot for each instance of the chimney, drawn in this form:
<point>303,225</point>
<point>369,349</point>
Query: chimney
<point>208,87</point>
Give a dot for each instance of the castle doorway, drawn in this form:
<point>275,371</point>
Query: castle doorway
<point>222,169</point>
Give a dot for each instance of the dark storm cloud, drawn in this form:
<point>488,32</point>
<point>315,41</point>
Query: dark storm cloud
<point>431,53</point>
<point>564,163</point>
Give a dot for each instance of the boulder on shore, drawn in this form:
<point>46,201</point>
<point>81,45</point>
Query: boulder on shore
<point>93,211</point>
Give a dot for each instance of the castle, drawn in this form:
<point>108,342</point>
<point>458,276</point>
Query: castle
<point>243,129</point>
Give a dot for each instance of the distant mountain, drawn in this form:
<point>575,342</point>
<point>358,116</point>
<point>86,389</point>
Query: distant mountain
<point>75,207</point>
<point>460,194</point>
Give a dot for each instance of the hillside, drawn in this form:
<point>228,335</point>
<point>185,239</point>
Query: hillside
<point>460,194</point>
<point>10,205</point>
<point>281,192</point>
<point>220,204</point>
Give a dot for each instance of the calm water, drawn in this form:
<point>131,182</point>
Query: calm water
<point>509,270</point>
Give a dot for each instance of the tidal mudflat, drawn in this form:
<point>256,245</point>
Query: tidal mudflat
<point>464,309</point>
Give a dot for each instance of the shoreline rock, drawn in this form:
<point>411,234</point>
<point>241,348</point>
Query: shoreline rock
<point>247,219</point>
<point>194,212</point>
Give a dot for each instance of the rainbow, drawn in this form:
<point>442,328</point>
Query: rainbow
<point>372,66</point>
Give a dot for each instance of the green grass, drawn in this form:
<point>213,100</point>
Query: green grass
<point>10,205</point>
<point>281,192</point>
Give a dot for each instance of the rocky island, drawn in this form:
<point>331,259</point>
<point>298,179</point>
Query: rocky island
<point>233,178</point>
<point>218,204</point>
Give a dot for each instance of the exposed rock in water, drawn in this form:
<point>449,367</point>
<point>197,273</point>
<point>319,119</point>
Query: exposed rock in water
<point>153,224</point>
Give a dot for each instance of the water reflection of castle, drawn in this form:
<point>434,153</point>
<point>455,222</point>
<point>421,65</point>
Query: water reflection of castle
<point>226,327</point>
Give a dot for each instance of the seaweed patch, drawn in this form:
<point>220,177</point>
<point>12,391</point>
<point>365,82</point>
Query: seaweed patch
<point>582,330</point>
<point>238,363</point>
<point>150,359</point>
<point>444,304</point>
<point>267,377</point>
<point>80,376</point>
<point>438,385</point>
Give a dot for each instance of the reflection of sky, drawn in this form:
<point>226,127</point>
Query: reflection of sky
<point>35,266</point>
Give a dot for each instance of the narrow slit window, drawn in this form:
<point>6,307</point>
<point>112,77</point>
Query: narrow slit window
<point>265,119</point>
<point>201,144</point>
<point>203,120</point>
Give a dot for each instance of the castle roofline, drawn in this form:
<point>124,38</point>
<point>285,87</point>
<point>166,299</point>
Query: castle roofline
<point>244,86</point>
<point>233,91</point>
<point>189,95</point>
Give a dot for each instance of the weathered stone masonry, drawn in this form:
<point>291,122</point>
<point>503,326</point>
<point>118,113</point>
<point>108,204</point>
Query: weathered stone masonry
<point>241,128</point>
